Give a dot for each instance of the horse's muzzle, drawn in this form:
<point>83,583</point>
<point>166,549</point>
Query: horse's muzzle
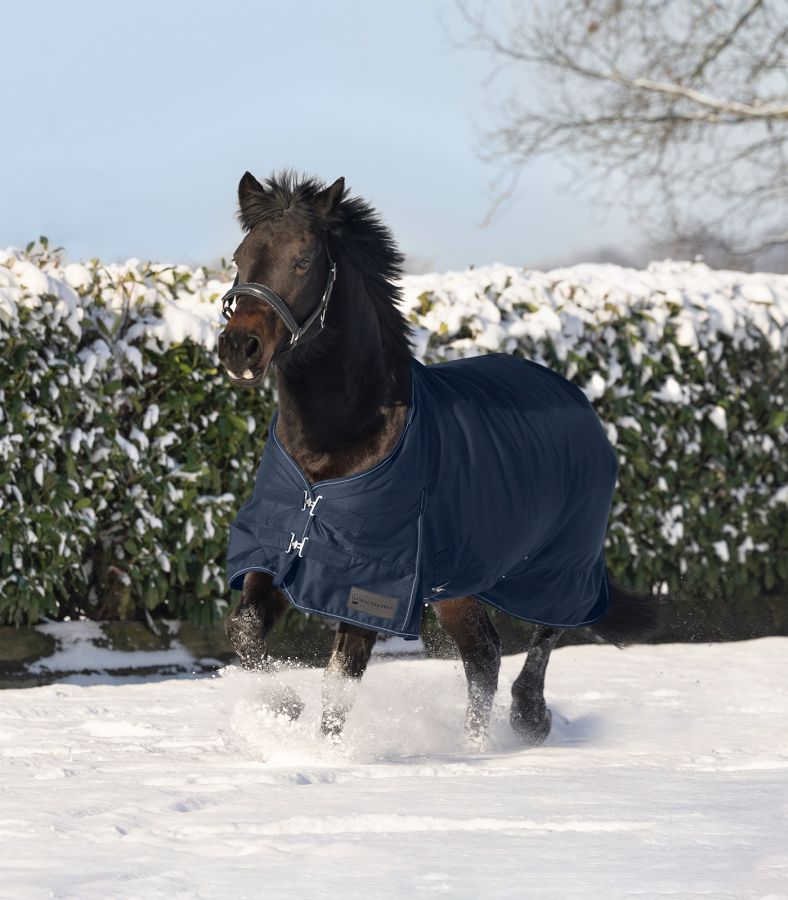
<point>243,356</point>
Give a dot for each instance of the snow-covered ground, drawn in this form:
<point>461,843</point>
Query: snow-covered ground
<point>666,776</point>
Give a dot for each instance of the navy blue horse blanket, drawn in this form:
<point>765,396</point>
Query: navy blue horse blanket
<point>499,487</point>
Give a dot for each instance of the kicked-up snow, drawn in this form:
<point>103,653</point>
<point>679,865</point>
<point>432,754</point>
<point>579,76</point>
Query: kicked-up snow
<point>666,775</point>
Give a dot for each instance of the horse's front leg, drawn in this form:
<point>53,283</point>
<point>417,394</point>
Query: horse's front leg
<point>261,606</point>
<point>530,717</point>
<point>349,657</point>
<point>250,623</point>
<point>465,620</point>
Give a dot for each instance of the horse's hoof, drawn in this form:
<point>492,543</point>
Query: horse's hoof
<point>331,731</point>
<point>245,632</point>
<point>476,724</point>
<point>282,701</point>
<point>530,729</point>
<point>476,741</point>
<point>331,726</point>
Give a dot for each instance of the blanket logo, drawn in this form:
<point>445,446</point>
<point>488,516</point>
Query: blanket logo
<point>372,604</point>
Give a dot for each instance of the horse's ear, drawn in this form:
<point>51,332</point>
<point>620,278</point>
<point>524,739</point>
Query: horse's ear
<point>250,191</point>
<point>248,186</point>
<point>326,201</point>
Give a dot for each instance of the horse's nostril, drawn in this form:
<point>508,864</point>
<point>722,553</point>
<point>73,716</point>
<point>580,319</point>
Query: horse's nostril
<point>222,346</point>
<point>253,349</point>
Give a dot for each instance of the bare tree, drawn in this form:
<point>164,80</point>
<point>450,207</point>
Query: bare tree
<point>680,107</point>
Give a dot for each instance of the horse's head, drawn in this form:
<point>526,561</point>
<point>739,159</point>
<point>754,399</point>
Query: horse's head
<point>284,274</point>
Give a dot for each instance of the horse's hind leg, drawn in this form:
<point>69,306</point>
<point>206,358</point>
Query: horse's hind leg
<point>465,620</point>
<point>349,657</point>
<point>530,717</point>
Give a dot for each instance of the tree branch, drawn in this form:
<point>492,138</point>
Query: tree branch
<point>772,111</point>
<point>644,94</point>
<point>747,111</point>
<point>724,40</point>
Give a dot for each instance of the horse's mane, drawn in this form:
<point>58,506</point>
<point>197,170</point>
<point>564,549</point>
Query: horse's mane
<point>358,239</point>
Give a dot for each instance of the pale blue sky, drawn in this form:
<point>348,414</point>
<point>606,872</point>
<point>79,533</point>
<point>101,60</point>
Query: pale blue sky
<point>127,127</point>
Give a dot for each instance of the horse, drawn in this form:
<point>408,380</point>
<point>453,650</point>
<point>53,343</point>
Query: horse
<point>316,300</point>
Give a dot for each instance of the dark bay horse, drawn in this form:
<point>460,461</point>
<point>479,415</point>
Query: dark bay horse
<point>317,301</point>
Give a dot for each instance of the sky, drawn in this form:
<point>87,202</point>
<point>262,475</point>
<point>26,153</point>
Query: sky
<point>126,128</point>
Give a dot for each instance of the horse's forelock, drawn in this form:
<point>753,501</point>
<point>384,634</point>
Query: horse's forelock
<point>284,192</point>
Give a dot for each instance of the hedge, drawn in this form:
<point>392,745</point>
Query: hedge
<point>687,368</point>
<point>124,447</point>
<point>126,452</point>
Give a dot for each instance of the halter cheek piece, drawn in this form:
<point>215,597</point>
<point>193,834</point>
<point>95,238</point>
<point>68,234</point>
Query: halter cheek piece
<point>278,305</point>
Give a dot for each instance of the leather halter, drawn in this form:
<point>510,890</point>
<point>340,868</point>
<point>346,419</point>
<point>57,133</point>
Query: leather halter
<point>278,305</point>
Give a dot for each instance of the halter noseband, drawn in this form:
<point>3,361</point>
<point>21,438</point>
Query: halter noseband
<point>278,305</point>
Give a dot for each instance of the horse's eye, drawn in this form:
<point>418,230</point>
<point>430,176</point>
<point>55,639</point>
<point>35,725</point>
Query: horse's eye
<point>302,265</point>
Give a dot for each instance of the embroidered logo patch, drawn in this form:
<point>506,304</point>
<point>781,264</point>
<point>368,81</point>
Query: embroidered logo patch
<point>372,604</point>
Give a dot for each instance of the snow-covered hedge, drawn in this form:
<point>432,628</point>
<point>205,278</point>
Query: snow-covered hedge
<point>125,452</point>
<point>122,446</point>
<point>687,368</point>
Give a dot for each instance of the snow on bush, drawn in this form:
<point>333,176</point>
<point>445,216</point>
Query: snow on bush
<point>123,446</point>
<point>686,367</point>
<point>126,452</point>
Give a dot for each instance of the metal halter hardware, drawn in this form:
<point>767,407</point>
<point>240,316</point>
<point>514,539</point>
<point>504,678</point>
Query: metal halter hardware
<point>278,305</point>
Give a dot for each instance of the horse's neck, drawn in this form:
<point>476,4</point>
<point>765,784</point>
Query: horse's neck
<point>344,411</point>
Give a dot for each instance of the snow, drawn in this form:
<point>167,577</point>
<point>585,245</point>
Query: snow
<point>128,448</point>
<point>497,305</point>
<point>672,391</point>
<point>595,387</point>
<point>81,646</point>
<point>672,526</point>
<point>503,303</point>
<point>77,276</point>
<point>721,549</point>
<point>719,418</point>
<point>666,775</point>
<point>780,496</point>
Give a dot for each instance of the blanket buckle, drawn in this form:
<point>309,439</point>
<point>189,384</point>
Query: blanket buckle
<point>296,545</point>
<point>308,502</point>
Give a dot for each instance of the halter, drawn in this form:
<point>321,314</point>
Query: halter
<point>278,305</point>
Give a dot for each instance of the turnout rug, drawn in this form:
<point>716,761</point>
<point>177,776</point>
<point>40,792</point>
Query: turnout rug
<point>500,487</point>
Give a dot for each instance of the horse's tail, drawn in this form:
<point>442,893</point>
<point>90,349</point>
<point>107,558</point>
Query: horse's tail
<point>631,618</point>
